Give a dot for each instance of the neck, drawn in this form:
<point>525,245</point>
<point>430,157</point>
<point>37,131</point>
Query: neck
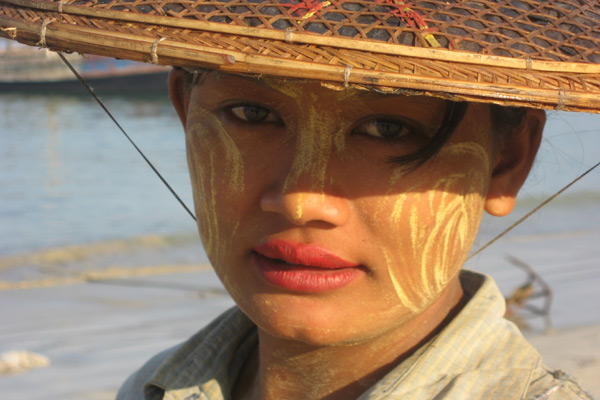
<point>288,369</point>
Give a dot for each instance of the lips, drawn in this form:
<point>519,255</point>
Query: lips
<point>301,267</point>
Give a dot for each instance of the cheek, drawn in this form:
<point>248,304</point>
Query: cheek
<point>217,173</point>
<point>433,223</point>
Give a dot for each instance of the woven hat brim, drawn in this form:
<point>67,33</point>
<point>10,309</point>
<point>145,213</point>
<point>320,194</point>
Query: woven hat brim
<point>456,75</point>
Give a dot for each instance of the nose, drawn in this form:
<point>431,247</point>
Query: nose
<point>303,207</point>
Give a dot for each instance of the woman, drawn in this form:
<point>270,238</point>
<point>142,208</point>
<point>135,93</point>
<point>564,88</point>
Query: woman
<point>339,184</point>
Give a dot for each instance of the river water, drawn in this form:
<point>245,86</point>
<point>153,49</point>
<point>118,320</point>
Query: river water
<point>69,178</point>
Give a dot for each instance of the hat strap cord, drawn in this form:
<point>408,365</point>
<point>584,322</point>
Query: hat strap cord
<point>533,211</point>
<point>91,91</point>
<point>477,252</point>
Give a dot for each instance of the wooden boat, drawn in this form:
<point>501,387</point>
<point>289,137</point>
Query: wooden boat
<point>27,69</point>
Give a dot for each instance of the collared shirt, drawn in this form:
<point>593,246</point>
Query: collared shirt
<point>478,355</point>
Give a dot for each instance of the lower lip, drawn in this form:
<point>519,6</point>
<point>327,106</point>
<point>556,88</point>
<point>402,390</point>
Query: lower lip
<point>302,278</point>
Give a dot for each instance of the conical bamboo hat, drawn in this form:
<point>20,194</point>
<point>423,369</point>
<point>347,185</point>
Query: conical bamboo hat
<point>543,54</point>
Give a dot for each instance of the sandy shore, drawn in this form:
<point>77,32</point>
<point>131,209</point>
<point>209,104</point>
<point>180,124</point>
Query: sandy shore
<point>95,334</point>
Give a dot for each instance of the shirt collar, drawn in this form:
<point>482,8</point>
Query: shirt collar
<point>208,363</point>
<point>478,347</point>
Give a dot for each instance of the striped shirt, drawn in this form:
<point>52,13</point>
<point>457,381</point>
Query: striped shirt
<point>478,355</point>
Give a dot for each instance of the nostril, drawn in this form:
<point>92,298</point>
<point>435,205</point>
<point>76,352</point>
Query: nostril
<point>303,207</point>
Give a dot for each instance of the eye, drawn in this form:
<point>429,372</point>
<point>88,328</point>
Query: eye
<point>253,113</point>
<point>388,129</point>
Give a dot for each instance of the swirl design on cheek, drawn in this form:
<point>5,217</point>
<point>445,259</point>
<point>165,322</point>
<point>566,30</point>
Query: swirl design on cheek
<point>398,287</point>
<point>234,163</point>
<point>397,173</point>
<point>208,141</point>
<point>455,227</point>
<point>443,221</point>
<point>204,198</point>
<point>456,204</point>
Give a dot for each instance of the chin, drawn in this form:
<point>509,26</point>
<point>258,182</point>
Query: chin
<point>313,322</point>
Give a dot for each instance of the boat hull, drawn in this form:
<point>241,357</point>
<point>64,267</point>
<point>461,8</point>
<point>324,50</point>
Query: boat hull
<point>151,82</point>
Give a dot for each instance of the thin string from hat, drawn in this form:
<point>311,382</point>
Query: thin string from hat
<point>91,91</point>
<point>478,251</point>
<point>533,211</point>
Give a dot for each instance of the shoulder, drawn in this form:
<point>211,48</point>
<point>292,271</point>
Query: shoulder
<point>170,366</point>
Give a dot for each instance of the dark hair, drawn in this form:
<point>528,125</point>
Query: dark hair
<point>505,121</point>
<point>454,113</point>
<point>192,76</point>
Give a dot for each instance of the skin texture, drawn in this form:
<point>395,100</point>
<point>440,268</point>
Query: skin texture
<point>315,171</point>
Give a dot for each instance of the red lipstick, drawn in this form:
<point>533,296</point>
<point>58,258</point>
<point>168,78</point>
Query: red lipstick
<point>302,267</point>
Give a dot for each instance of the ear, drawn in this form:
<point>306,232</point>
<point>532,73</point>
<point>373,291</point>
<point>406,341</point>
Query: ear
<point>179,93</point>
<point>513,162</point>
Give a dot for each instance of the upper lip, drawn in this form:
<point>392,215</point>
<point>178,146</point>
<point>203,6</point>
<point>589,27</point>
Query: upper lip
<point>302,254</point>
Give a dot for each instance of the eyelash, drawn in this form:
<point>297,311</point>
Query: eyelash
<point>238,112</point>
<point>401,129</point>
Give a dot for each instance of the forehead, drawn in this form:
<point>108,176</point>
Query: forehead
<point>307,91</point>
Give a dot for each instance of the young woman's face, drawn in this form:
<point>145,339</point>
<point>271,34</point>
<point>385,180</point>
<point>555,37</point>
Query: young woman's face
<point>314,232</point>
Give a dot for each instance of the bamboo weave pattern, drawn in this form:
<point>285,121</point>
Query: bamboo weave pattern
<point>560,31</point>
<point>542,54</point>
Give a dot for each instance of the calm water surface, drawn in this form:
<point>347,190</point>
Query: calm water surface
<point>69,176</point>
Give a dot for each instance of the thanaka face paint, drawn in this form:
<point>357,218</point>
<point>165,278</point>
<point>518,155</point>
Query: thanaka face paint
<point>315,138</point>
<point>313,172</point>
<point>441,233</point>
<point>206,132</point>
